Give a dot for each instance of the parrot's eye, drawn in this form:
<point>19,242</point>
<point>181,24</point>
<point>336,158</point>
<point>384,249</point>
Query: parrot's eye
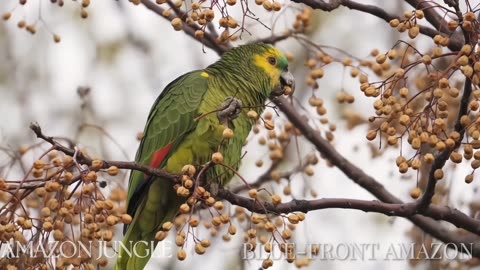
<point>272,60</point>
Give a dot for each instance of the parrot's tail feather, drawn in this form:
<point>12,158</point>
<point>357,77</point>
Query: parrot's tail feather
<point>137,199</point>
<point>159,205</point>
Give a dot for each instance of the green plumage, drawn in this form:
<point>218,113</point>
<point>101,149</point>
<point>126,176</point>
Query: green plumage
<point>243,73</point>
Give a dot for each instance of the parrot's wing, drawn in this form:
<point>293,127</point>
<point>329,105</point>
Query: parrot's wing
<point>172,117</point>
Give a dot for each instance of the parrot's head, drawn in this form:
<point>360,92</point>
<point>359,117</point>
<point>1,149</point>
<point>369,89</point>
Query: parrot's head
<point>273,63</point>
<point>259,64</point>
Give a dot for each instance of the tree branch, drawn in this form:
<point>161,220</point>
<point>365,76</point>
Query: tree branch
<point>369,183</point>
<point>273,38</point>
<point>401,210</point>
<point>208,40</point>
<point>83,159</point>
<point>435,19</point>
<point>442,158</point>
<point>267,175</point>
<point>431,16</point>
<point>210,36</point>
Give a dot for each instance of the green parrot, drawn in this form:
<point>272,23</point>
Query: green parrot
<point>174,136</point>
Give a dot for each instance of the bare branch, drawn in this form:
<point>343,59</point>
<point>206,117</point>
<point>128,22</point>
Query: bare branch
<point>273,39</point>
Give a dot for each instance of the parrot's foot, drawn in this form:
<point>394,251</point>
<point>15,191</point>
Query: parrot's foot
<point>229,111</point>
<point>213,188</point>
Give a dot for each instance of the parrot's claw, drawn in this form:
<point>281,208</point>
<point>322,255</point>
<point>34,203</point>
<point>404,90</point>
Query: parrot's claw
<point>229,111</point>
<point>214,187</point>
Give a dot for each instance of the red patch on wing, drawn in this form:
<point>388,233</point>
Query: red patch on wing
<point>159,156</point>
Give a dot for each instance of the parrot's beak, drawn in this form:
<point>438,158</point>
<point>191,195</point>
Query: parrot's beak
<point>286,80</point>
